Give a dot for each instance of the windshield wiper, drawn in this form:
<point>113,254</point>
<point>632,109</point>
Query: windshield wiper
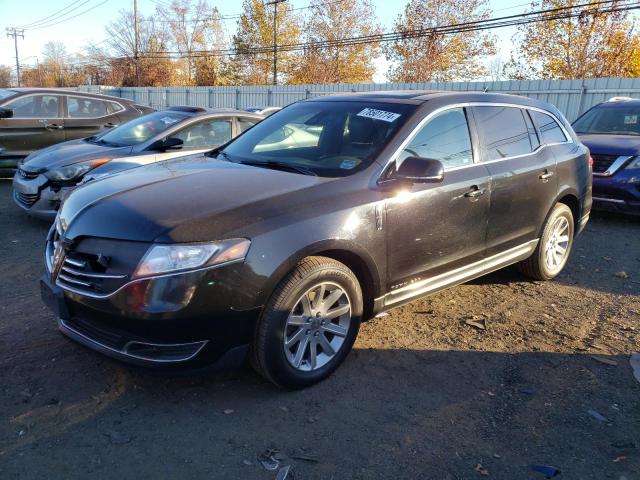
<point>279,166</point>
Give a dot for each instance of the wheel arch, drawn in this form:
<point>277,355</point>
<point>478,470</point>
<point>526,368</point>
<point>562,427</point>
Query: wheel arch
<point>357,259</point>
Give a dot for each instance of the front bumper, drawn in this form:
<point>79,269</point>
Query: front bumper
<point>159,323</point>
<point>618,193</point>
<point>36,197</point>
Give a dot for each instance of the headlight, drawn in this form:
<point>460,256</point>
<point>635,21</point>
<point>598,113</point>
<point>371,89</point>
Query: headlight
<point>634,163</point>
<point>71,172</point>
<point>173,258</point>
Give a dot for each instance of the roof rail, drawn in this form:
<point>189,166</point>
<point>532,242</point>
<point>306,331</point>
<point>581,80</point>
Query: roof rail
<point>187,108</point>
<point>620,99</point>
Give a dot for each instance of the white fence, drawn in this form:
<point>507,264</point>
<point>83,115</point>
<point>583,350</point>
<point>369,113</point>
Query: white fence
<point>572,97</point>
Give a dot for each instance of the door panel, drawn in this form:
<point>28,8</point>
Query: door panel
<point>523,176</point>
<point>435,228</point>
<point>36,124</point>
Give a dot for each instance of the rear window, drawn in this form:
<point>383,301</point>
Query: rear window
<point>504,132</point>
<point>82,107</point>
<point>549,128</point>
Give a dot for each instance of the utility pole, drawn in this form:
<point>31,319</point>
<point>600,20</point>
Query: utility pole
<point>275,38</point>
<point>136,40</point>
<point>15,33</point>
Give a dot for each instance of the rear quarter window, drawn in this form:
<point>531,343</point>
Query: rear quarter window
<point>548,127</point>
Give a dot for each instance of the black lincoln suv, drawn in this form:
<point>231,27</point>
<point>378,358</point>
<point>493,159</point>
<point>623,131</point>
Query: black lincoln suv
<point>276,245</point>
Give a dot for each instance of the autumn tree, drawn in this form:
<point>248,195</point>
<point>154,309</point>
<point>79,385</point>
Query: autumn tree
<point>436,56</point>
<point>597,43</point>
<point>255,30</point>
<point>334,22</point>
<point>154,65</point>
<point>194,27</point>
<point>5,76</point>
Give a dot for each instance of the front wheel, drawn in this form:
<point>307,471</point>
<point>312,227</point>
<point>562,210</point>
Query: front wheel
<point>552,252</point>
<point>309,325</point>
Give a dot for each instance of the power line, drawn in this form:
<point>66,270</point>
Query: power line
<point>55,14</point>
<point>66,19</point>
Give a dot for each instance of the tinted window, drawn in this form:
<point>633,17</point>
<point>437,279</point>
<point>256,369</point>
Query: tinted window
<point>6,93</point>
<point>204,134</point>
<point>328,138</point>
<point>114,107</point>
<point>504,132</point>
<point>78,107</point>
<point>140,129</point>
<point>446,138</point>
<point>35,106</point>
<point>549,128</point>
<point>533,136</point>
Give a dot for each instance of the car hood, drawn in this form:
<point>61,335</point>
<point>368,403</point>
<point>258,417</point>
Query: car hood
<point>67,153</point>
<point>612,144</point>
<point>190,199</point>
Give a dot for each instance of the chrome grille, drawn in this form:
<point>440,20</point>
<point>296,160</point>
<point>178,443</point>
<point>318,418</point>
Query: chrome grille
<point>27,174</point>
<point>601,163</point>
<point>26,199</point>
<point>80,273</point>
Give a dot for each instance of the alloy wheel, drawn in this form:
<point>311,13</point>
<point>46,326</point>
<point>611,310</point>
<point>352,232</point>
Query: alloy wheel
<point>317,326</point>
<point>557,245</point>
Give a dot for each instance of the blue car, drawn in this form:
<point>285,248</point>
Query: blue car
<point>611,131</point>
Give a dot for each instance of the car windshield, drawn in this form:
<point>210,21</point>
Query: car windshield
<point>139,129</point>
<point>4,93</point>
<point>612,120</point>
<point>325,138</point>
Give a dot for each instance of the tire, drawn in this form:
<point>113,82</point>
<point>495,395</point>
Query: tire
<point>543,264</point>
<point>308,324</point>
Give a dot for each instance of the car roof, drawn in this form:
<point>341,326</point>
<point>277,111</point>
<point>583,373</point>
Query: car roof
<point>417,97</point>
<point>631,102</point>
<point>64,91</point>
<point>192,111</point>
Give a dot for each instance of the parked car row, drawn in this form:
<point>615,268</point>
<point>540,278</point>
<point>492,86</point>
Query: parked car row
<point>274,245</point>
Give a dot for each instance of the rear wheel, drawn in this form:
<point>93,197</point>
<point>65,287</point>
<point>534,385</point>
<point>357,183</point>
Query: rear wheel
<point>553,250</point>
<point>309,325</point>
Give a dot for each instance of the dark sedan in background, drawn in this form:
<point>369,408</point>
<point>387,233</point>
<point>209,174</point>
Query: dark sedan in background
<point>34,118</point>
<point>611,130</point>
<point>48,175</point>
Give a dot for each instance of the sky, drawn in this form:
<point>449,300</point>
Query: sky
<point>91,17</point>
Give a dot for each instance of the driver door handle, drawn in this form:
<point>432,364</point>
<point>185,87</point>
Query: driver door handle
<point>53,126</point>
<point>110,125</point>
<point>546,175</point>
<point>475,192</point>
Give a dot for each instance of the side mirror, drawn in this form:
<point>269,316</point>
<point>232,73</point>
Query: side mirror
<point>170,143</point>
<point>6,112</point>
<point>420,170</point>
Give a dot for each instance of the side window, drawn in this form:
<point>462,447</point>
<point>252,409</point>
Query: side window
<point>533,135</point>
<point>504,131</point>
<point>114,107</point>
<point>205,134</point>
<point>446,138</point>
<point>35,106</point>
<point>79,107</point>
<point>549,128</point>
<point>245,123</point>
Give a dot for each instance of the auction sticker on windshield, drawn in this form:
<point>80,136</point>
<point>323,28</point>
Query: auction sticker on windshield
<point>379,115</point>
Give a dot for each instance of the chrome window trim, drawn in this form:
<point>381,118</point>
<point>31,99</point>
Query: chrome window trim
<point>476,161</point>
<point>66,95</point>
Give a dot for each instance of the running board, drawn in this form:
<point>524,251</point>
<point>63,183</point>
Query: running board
<point>460,275</point>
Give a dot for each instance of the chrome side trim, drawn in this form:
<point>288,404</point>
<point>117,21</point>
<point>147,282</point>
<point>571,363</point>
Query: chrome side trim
<point>610,200</point>
<point>84,293</point>
<point>63,277</point>
<point>75,263</point>
<point>82,338</point>
<point>462,274</point>
<point>614,167</point>
<point>80,273</point>
<point>476,161</point>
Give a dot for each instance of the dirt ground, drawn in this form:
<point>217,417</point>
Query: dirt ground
<point>423,395</point>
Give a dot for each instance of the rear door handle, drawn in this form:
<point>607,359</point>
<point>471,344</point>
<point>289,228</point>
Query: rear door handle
<point>110,125</point>
<point>474,192</point>
<point>546,175</point>
<point>53,126</point>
